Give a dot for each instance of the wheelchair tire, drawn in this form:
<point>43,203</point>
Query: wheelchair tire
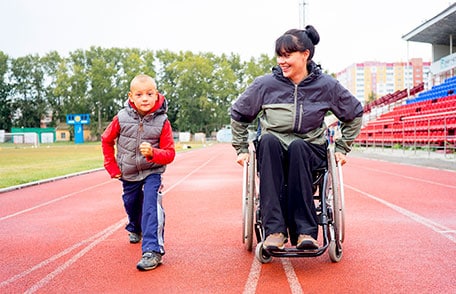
<point>261,254</point>
<point>248,202</point>
<point>341,204</point>
<point>337,197</point>
<point>335,251</point>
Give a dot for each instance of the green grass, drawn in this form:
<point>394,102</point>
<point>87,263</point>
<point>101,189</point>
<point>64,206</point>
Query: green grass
<point>21,165</point>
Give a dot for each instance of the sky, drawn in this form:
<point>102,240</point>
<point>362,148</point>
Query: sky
<point>351,31</point>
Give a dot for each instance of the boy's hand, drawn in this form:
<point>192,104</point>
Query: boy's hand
<point>146,149</point>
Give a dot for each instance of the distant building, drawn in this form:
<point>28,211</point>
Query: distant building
<point>372,78</point>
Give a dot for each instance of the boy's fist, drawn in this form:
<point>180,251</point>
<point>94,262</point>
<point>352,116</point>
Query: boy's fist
<point>146,149</point>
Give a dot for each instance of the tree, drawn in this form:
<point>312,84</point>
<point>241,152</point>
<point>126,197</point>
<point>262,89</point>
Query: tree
<point>5,99</point>
<point>28,92</point>
<point>256,67</point>
<point>53,67</point>
<point>199,87</point>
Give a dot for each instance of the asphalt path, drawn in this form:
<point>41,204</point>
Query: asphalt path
<point>67,236</point>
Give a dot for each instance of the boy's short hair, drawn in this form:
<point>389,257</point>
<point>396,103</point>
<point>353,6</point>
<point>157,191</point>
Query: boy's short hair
<point>142,78</point>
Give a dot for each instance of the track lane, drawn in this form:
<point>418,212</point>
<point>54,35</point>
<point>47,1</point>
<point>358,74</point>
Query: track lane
<point>385,250</point>
<point>427,192</point>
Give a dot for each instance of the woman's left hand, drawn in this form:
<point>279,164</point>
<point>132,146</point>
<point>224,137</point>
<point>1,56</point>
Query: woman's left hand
<point>340,158</point>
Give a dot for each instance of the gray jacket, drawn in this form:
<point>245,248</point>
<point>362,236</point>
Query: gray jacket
<point>292,112</point>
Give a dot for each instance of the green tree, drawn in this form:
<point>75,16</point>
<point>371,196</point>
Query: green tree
<point>256,67</point>
<point>189,81</point>
<point>134,62</point>
<point>371,98</point>
<point>5,99</point>
<point>102,87</point>
<point>29,95</point>
<point>199,87</point>
<point>53,66</point>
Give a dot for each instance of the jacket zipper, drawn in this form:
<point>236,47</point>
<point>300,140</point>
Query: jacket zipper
<point>298,111</point>
<point>140,129</point>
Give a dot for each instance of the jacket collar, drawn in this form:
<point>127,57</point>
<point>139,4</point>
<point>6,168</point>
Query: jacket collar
<point>313,69</point>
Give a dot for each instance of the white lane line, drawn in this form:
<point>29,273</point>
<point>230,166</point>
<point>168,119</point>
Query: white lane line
<point>254,276</point>
<point>407,177</point>
<point>438,228</point>
<point>189,174</point>
<point>52,201</point>
<point>95,239</point>
<point>60,254</point>
<point>75,258</point>
<point>293,280</point>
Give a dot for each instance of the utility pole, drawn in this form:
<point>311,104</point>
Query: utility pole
<point>302,14</point>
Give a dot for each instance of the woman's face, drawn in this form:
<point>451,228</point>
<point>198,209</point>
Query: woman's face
<point>294,65</point>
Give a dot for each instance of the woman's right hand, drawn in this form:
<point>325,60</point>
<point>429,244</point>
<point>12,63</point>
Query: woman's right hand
<point>242,157</point>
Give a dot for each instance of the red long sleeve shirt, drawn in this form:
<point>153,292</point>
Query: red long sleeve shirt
<point>163,155</point>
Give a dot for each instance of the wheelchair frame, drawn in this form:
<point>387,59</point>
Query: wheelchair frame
<point>329,200</point>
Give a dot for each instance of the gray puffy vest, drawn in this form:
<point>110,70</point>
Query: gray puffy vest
<point>134,130</point>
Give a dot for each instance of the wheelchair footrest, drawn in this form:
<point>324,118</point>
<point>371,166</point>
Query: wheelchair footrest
<point>294,252</point>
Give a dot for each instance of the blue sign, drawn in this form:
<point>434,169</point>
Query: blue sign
<point>82,119</point>
<point>78,120</point>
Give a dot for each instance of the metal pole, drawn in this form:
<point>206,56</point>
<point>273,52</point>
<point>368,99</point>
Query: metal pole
<point>302,16</point>
<point>408,72</point>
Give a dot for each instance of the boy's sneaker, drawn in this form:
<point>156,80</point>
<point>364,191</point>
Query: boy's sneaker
<point>149,261</point>
<point>134,238</point>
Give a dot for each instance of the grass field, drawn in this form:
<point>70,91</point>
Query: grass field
<point>21,165</point>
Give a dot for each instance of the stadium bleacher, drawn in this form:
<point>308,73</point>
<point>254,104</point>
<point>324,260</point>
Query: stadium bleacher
<point>427,119</point>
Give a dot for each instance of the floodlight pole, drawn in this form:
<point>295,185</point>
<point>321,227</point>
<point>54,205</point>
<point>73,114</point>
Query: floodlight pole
<point>302,14</point>
<point>408,72</point>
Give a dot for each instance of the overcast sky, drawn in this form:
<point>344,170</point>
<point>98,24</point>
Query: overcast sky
<point>350,30</point>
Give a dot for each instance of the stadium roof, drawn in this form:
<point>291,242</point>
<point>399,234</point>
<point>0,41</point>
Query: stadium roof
<point>437,30</point>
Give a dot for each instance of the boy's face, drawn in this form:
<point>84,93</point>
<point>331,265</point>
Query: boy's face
<point>144,95</point>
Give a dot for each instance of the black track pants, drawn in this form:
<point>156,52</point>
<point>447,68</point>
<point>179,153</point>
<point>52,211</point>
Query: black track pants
<point>286,198</point>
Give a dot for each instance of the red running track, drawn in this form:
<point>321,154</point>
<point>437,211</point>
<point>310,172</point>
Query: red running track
<point>68,236</point>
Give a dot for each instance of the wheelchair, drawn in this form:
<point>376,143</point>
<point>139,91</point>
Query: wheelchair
<point>329,201</point>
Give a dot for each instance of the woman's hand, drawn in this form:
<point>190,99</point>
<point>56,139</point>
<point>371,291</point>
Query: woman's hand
<point>340,158</point>
<point>242,157</point>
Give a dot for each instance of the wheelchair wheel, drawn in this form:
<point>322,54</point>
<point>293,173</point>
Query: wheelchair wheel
<point>336,196</point>
<point>248,201</point>
<point>261,254</point>
<point>341,203</point>
<point>335,251</point>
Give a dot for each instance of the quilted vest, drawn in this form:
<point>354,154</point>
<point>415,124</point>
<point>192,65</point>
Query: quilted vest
<point>134,130</point>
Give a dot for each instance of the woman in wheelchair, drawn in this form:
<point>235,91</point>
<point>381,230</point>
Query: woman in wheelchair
<point>291,104</point>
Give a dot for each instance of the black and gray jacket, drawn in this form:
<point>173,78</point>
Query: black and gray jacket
<point>292,112</point>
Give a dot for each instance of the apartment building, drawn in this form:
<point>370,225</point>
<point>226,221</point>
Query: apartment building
<point>371,79</point>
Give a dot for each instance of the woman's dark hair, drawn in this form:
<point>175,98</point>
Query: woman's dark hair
<point>298,40</point>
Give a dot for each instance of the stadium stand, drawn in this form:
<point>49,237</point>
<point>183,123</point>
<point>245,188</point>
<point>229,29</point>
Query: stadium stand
<point>418,117</point>
<point>429,119</point>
